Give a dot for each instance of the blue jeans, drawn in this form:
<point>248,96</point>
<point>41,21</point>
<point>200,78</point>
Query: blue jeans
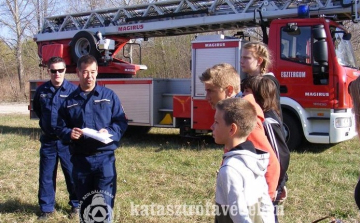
<point>51,152</point>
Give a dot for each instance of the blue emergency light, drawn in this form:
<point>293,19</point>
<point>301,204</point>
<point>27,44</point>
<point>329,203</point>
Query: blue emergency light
<point>303,11</point>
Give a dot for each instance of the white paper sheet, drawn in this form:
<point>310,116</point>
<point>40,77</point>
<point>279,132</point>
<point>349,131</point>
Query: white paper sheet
<point>100,136</point>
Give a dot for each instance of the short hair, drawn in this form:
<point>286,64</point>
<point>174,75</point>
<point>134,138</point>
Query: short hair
<point>222,75</point>
<point>260,50</point>
<point>264,90</point>
<point>53,60</point>
<point>240,112</point>
<point>354,90</point>
<point>86,59</point>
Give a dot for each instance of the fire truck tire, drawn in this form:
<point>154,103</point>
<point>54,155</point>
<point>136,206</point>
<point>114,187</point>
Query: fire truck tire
<point>83,43</point>
<point>293,130</point>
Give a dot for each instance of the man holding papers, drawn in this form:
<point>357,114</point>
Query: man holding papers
<point>90,111</point>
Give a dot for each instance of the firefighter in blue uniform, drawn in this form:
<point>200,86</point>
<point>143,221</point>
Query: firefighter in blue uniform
<point>95,107</point>
<point>46,103</point>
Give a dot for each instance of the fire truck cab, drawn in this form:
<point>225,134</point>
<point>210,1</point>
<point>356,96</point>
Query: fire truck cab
<point>314,63</point>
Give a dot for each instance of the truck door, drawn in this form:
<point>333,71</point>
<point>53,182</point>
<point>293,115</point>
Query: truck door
<point>296,68</point>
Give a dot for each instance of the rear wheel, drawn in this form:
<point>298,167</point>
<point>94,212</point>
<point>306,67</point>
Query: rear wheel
<point>83,43</point>
<point>293,131</point>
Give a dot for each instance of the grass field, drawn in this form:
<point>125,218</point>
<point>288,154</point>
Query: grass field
<point>161,169</point>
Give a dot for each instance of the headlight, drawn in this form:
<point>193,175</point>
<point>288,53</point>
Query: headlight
<point>342,122</point>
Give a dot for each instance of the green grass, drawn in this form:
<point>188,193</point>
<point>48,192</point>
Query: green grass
<point>161,168</point>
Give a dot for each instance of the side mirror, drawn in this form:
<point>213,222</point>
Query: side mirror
<point>320,48</point>
<point>320,56</point>
<point>318,32</point>
<point>321,52</point>
<point>347,36</point>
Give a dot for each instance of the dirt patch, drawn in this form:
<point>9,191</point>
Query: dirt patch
<point>14,108</point>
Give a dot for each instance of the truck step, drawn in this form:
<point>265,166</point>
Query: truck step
<point>319,118</point>
<point>319,133</point>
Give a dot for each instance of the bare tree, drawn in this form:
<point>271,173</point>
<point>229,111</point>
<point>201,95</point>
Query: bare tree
<point>42,9</point>
<point>6,73</point>
<point>17,20</point>
<point>354,28</point>
<point>88,5</point>
<point>167,57</point>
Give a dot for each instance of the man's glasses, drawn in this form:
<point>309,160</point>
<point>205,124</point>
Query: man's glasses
<point>53,71</point>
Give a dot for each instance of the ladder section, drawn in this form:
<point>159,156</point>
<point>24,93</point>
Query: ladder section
<point>177,17</point>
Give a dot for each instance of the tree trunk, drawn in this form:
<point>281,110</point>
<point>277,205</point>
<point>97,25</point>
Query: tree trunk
<point>19,61</point>
<point>164,62</point>
<point>20,68</point>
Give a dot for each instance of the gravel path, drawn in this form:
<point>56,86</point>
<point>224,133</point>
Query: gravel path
<point>14,108</point>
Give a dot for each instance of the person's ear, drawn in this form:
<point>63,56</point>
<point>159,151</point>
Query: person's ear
<point>260,60</point>
<point>77,72</point>
<point>229,91</point>
<point>233,129</point>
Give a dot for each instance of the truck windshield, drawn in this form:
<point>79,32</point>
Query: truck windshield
<point>343,48</point>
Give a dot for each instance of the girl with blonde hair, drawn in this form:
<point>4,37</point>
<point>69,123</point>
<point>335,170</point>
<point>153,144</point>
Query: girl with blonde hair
<point>255,61</point>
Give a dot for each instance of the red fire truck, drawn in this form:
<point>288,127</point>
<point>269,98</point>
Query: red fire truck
<point>313,59</point>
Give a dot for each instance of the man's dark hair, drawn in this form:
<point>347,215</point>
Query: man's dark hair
<point>53,60</point>
<point>87,59</point>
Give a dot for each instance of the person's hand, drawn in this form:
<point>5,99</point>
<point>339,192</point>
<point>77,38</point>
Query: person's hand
<point>76,133</point>
<point>103,131</point>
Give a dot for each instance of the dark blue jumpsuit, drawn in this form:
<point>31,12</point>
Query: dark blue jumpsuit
<point>94,162</point>
<point>46,103</point>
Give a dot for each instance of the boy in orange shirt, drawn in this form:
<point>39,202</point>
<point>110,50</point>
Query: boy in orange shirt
<point>222,81</point>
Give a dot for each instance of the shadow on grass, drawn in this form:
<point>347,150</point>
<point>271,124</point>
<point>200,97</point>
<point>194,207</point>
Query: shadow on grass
<point>170,141</point>
<point>312,147</point>
<point>164,141</point>
<point>15,206</point>
<point>18,206</point>
<point>33,133</point>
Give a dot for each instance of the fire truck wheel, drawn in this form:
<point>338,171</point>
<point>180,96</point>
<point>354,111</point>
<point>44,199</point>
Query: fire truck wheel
<point>83,43</point>
<point>294,134</point>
